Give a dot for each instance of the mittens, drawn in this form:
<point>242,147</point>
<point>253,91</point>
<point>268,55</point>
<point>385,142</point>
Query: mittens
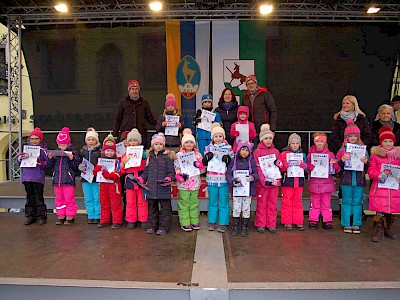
<point>226,159</point>
<point>198,164</point>
<point>207,157</point>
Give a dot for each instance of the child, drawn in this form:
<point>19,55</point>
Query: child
<point>321,188</point>
<point>351,182</point>
<point>217,186</point>
<point>203,137</point>
<point>91,152</point>
<point>33,180</point>
<point>65,168</point>
<point>172,142</point>
<point>158,175</point>
<point>383,200</point>
<point>123,139</point>
<point>136,204</point>
<point>110,193</point>
<point>267,188</point>
<point>243,118</point>
<point>188,187</point>
<point>292,187</point>
<point>243,161</point>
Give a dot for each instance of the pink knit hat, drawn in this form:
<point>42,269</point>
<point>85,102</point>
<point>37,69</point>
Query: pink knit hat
<point>37,132</point>
<point>63,137</point>
<point>351,129</point>
<point>158,138</point>
<point>170,100</point>
<point>109,143</point>
<point>133,83</point>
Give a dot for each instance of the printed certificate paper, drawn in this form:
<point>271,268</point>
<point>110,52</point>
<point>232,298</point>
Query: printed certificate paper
<point>135,154</point>
<point>172,125</point>
<point>357,152</point>
<point>321,163</point>
<point>268,167</point>
<point>207,118</point>
<point>186,163</point>
<point>109,165</point>
<point>244,190</point>
<point>390,182</point>
<point>88,174</point>
<point>31,161</point>
<point>294,160</point>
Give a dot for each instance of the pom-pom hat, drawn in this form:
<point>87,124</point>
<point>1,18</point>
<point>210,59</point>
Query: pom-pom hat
<point>63,137</point>
<point>386,133</point>
<point>217,128</point>
<point>265,132</point>
<point>109,143</point>
<point>135,135</point>
<point>91,132</point>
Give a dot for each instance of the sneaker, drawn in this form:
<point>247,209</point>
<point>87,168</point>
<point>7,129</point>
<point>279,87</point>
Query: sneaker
<point>116,226</point>
<point>89,221</point>
<point>261,229</point>
<point>288,226</point>
<point>271,229</point>
<point>327,226</point>
<point>222,228</point>
<point>150,230</point>
<point>130,225</point>
<point>60,221</point>
<point>41,221</point>
<point>102,224</point>
<point>161,232</point>
<point>356,229</point>
<point>187,228</point>
<point>313,225</point>
<point>211,227</point>
<point>29,221</point>
<point>300,227</point>
<point>143,225</point>
<point>347,229</point>
<point>196,226</point>
<point>96,221</point>
<point>69,221</point>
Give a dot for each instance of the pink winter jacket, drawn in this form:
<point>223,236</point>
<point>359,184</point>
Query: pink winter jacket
<point>263,150</point>
<point>252,129</point>
<point>382,199</point>
<point>321,185</point>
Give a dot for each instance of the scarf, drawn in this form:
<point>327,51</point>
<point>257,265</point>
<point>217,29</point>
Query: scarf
<point>134,98</point>
<point>227,105</point>
<point>391,154</point>
<point>389,123</point>
<point>346,116</point>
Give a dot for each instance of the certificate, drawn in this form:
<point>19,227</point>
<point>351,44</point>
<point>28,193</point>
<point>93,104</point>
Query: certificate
<point>243,132</point>
<point>244,189</point>
<point>135,154</point>
<point>207,118</point>
<point>109,165</point>
<point>268,167</point>
<point>88,174</point>
<point>294,160</point>
<point>33,154</point>
<point>59,152</point>
<point>356,153</point>
<point>186,163</point>
<point>172,127</point>
<point>392,172</point>
<point>216,164</point>
<point>321,163</point>
<point>120,149</point>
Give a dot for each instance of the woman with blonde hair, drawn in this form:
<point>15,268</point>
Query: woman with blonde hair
<point>385,117</point>
<point>350,111</point>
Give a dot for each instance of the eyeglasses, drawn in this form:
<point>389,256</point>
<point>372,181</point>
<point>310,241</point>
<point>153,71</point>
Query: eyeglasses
<point>34,138</point>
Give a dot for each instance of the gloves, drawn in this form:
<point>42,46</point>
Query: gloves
<point>226,159</point>
<point>198,164</point>
<point>185,176</point>
<point>180,178</point>
<point>110,176</point>
<point>167,181</point>
<point>250,178</point>
<point>236,182</point>
<point>336,167</point>
<point>278,163</point>
<point>23,155</point>
<point>41,164</point>
<point>97,169</point>
<point>235,133</point>
<point>82,167</point>
<point>197,119</point>
<point>311,167</point>
<point>268,183</point>
<point>382,176</point>
<point>207,157</point>
<point>303,165</point>
<point>140,179</point>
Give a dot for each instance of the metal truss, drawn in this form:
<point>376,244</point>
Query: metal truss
<point>131,13</point>
<point>14,59</point>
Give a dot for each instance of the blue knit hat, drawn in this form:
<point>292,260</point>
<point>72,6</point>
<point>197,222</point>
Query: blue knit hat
<point>206,97</point>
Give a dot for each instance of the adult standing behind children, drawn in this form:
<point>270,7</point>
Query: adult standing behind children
<point>133,111</point>
<point>227,109</point>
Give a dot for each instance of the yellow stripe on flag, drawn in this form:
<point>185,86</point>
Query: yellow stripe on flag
<point>173,37</point>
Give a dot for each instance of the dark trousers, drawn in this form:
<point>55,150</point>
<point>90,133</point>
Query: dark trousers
<point>159,218</point>
<point>35,207</point>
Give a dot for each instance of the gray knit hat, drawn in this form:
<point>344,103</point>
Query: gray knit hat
<point>294,137</point>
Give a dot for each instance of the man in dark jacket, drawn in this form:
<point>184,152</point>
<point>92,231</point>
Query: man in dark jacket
<point>260,103</point>
<point>133,111</point>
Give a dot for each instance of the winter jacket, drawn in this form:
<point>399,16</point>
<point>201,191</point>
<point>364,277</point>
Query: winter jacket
<point>263,109</point>
<point>91,155</point>
<point>240,163</point>
<point>252,129</point>
<point>36,174</point>
<point>65,169</point>
<point>170,140</point>
<point>228,113</point>
<point>158,167</point>
<point>134,171</point>
<point>349,177</point>
<point>290,181</point>
<point>203,134</point>
<point>194,182</point>
<point>382,199</point>
<point>263,150</point>
<point>214,178</point>
<point>339,125</point>
<point>133,114</point>
<point>376,125</point>
<point>321,185</point>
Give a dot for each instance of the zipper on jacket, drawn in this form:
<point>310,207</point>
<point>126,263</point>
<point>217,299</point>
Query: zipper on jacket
<point>59,172</point>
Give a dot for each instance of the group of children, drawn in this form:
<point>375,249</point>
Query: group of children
<point>148,186</point>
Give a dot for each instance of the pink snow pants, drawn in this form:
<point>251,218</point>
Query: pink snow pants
<point>267,207</point>
<point>320,204</point>
<point>136,206</point>
<point>65,201</point>
<point>292,206</point>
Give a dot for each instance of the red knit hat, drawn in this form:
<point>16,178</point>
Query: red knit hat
<point>37,132</point>
<point>133,83</point>
<point>109,143</point>
<point>251,77</point>
<point>386,133</point>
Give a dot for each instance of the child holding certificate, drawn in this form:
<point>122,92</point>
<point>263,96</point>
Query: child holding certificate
<point>243,129</point>
<point>33,180</point>
<point>321,184</point>
<point>218,155</point>
<point>352,182</point>
<point>243,161</point>
<point>89,154</point>
<point>294,165</point>
<point>267,186</point>
<point>188,166</point>
<point>136,204</point>
<point>108,167</point>
<point>384,199</point>
<point>65,163</point>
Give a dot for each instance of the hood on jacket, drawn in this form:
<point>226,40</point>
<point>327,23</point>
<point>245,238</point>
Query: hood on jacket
<point>243,109</point>
<point>378,150</point>
<point>260,89</point>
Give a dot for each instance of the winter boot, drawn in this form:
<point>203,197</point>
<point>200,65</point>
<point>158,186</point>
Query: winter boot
<point>387,232</point>
<point>235,226</point>
<point>245,227</point>
<point>377,236</point>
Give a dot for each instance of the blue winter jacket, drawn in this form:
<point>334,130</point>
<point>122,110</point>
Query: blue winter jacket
<point>65,169</point>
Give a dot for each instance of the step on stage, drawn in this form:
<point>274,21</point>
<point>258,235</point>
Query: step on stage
<point>82,261</point>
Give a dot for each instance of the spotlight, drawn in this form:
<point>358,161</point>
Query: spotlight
<point>61,7</point>
<point>373,10</point>
<point>156,6</point>
<point>266,9</point>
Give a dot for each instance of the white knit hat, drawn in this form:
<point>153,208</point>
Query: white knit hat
<point>135,135</point>
<point>91,132</point>
<point>217,128</point>
<point>188,136</point>
<point>265,132</point>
